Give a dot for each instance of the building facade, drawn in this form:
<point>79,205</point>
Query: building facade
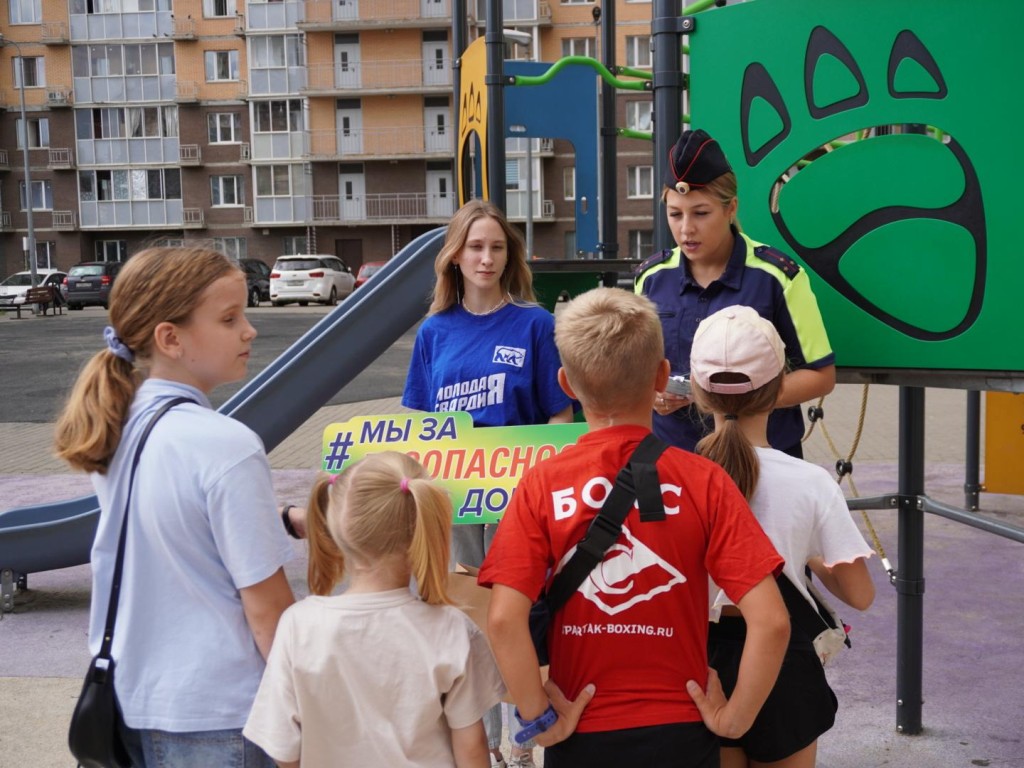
<point>268,128</point>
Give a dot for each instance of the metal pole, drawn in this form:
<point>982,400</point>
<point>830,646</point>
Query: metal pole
<point>608,248</point>
<point>460,39</point>
<point>909,579</point>
<point>529,198</point>
<point>972,482</point>
<point>668,87</point>
<point>30,240</point>
<point>495,45</point>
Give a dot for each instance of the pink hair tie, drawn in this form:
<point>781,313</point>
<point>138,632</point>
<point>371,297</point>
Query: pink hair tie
<point>333,478</point>
<point>403,484</point>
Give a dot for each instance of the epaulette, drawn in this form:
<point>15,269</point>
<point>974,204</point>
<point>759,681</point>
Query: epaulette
<point>652,261</point>
<point>778,259</point>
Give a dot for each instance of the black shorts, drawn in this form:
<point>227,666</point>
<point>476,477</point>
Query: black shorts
<point>799,708</point>
<point>677,745</point>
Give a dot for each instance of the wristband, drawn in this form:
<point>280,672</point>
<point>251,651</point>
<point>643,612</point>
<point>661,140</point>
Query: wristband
<point>531,728</point>
<point>287,520</point>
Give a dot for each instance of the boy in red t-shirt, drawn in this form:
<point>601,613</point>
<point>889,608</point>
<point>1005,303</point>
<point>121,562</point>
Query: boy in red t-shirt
<point>636,629</point>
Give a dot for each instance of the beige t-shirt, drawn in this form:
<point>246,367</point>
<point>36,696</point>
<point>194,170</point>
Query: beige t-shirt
<point>372,680</point>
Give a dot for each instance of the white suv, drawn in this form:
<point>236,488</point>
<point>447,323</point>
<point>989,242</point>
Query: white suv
<point>311,277</point>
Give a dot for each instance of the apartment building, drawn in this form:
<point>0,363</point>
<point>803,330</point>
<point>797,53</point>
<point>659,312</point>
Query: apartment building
<point>276,127</point>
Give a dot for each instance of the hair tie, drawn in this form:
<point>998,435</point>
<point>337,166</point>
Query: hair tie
<point>730,417</point>
<point>403,484</point>
<point>117,347</point>
<point>333,478</point>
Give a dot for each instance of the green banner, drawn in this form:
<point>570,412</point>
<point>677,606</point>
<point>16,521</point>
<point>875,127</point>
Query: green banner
<point>910,239</point>
<point>479,467</point>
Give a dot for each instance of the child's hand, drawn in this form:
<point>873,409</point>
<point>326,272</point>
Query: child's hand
<point>569,713</point>
<point>713,705</point>
<point>666,402</point>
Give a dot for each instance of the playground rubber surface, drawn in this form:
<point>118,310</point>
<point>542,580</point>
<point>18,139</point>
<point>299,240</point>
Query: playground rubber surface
<point>973,603</point>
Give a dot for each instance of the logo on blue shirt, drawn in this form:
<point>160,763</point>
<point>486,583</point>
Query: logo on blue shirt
<point>514,356</point>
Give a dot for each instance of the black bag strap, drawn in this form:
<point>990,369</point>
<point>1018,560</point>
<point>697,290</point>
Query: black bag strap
<point>811,621</point>
<point>637,480</point>
<point>115,586</point>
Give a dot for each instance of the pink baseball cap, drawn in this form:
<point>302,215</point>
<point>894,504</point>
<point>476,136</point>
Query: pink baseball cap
<point>736,340</point>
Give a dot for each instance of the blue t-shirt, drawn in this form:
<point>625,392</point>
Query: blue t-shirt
<point>502,368</point>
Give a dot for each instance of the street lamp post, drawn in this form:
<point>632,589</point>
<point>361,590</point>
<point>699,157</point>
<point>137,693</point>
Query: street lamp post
<point>30,240</point>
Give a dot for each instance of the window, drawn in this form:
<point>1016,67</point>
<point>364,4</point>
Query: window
<point>119,60</point>
<point>226,190</point>
<point>126,122</point>
<point>639,114</point>
<point>224,127</point>
<point>119,6</point>
<point>272,181</point>
<point>214,8</point>
<point>638,52</point>
<point>570,244</point>
<point>578,46</point>
<point>38,132</point>
<point>640,181</point>
<point>276,51</point>
<point>576,2</point>
<point>221,65</point>
<point>278,116</point>
<point>46,254</point>
<point>569,182</point>
<point>111,250</point>
<point>130,184</point>
<point>169,242</point>
<point>294,244</point>
<point>42,195</point>
<point>641,243</point>
<point>232,247</point>
<point>35,71</point>
<point>26,11</point>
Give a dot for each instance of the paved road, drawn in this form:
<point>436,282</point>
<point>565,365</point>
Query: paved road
<point>40,357</point>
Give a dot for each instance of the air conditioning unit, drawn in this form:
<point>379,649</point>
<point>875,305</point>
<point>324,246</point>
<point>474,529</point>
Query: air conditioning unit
<point>57,97</point>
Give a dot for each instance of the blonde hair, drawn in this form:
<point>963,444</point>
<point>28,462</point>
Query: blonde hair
<point>728,446</point>
<point>157,285</point>
<point>516,280</point>
<point>611,345</point>
<point>724,190</point>
<point>365,513</point>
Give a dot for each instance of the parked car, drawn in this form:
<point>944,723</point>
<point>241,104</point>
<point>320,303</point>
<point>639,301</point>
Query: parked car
<point>257,279</point>
<point>14,288</point>
<point>367,270</point>
<point>89,283</point>
<point>310,277</point>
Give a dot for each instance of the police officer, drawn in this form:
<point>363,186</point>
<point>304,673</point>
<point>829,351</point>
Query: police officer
<point>715,265</point>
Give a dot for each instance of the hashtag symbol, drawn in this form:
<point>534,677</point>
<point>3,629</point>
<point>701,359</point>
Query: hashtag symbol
<point>339,452</point>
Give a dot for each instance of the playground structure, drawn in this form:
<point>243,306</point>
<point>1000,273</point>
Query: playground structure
<point>819,122</point>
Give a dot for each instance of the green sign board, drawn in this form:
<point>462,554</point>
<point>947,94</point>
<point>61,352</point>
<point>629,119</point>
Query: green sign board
<point>909,238</point>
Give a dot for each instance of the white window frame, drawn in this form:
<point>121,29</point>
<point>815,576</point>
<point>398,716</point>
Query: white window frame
<point>222,123</point>
<point>294,245</point>
<point>235,248</point>
<point>36,72</point>
<point>571,44</point>
<point>26,11</point>
<point>640,115</point>
<point>638,51</point>
<point>220,185</point>
<point>102,249</point>
<point>641,243</point>
<point>569,182</point>
<point>262,178</point>
<point>38,136</point>
<point>263,52</point>
<point>640,182</point>
<point>217,62</point>
<point>46,254</point>
<point>45,188</point>
<point>294,119</point>
<point>210,9</point>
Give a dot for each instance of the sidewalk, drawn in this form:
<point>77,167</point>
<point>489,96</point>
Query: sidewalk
<point>974,611</point>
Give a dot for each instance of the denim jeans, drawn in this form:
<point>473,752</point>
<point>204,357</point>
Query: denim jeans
<point>223,749</point>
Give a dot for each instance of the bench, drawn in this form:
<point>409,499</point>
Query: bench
<point>43,295</point>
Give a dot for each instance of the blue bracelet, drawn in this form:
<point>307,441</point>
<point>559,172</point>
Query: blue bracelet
<point>531,728</point>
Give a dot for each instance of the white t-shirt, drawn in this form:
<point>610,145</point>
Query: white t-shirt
<point>203,524</point>
<point>374,679</point>
<point>804,513</point>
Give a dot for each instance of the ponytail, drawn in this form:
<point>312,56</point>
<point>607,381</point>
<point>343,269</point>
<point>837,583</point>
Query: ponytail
<point>429,550</point>
<point>326,566</point>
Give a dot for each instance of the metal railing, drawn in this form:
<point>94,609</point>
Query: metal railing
<point>190,154</point>
<point>60,158</point>
<point>325,11</point>
<point>184,29</point>
<point>192,218</point>
<point>4,163</point>
<point>186,90</point>
<point>409,73</point>
<point>387,142</point>
<point>414,205</point>
<point>54,32</point>
<point>63,219</point>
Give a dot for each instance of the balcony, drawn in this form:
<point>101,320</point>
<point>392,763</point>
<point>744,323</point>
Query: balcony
<point>58,97</point>
<point>184,29</point>
<point>190,154</point>
<point>378,77</point>
<point>60,159</point>
<point>326,15</point>
<point>64,220</point>
<point>54,33</point>
<point>5,164</point>
<point>398,142</point>
<point>395,208</point>
<point>518,12</point>
<point>515,206</point>
<point>186,92</point>
<point>244,152</point>
<point>239,29</point>
<point>5,222</point>
<point>192,218</point>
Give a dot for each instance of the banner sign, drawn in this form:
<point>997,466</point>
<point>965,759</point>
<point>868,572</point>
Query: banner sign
<point>478,466</point>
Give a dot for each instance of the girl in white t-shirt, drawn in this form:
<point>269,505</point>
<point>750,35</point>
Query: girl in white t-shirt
<point>377,675</point>
<point>737,366</point>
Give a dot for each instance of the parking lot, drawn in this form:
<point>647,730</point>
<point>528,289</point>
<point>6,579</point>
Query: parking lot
<point>41,356</point>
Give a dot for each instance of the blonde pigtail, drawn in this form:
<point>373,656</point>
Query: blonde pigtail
<point>326,566</point>
<point>429,549</point>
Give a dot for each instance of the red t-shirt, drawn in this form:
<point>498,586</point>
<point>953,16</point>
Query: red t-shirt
<point>637,627</point>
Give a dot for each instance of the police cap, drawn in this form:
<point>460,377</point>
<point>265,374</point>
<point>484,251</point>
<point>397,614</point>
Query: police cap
<point>694,161</point>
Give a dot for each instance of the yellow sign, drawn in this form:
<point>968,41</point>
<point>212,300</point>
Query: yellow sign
<point>472,118</point>
<point>1004,442</point>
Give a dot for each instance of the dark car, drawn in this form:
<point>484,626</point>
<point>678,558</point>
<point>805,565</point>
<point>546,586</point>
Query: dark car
<point>257,279</point>
<point>367,270</point>
<point>89,283</point>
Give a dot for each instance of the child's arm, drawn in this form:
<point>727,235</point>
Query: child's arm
<point>805,384</point>
<point>767,638</point>
<point>287,765</point>
<point>469,745</point>
<point>850,582</point>
<point>263,604</point>
<point>508,626</point>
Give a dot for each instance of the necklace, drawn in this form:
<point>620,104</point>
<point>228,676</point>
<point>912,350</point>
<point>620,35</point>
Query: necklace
<point>504,300</point>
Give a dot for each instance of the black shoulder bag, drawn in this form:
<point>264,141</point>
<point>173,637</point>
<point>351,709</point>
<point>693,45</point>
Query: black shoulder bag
<point>637,480</point>
<point>94,737</point>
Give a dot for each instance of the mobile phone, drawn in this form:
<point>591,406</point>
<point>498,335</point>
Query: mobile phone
<point>679,384</point>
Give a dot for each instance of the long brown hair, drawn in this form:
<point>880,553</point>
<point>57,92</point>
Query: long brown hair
<point>728,446</point>
<point>365,512</point>
<point>516,280</point>
<point>157,285</point>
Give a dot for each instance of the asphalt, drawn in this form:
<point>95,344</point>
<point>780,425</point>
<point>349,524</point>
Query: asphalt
<point>973,692</point>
